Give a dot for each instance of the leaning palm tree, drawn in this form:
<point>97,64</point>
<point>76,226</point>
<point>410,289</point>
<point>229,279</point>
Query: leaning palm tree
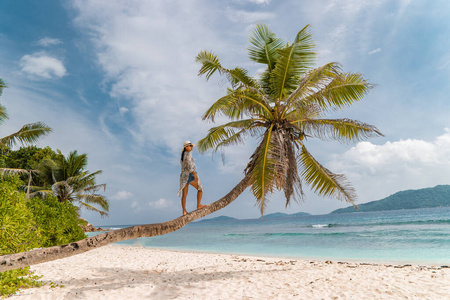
<point>284,108</point>
<point>67,179</point>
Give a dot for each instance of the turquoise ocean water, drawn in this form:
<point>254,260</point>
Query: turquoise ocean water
<point>418,236</point>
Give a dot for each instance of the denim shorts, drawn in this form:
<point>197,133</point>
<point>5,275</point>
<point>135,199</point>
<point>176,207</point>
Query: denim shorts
<point>191,178</point>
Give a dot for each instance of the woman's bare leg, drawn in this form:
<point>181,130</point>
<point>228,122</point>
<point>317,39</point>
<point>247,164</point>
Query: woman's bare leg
<point>199,194</point>
<point>183,199</point>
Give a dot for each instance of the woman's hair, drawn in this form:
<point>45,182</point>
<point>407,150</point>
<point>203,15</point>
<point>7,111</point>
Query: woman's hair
<point>182,153</point>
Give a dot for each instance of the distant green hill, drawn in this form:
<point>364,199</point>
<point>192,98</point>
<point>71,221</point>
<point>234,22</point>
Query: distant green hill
<point>300,214</point>
<point>269,216</point>
<point>275,215</point>
<point>283,215</point>
<point>437,196</point>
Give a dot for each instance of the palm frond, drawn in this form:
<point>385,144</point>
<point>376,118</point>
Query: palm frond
<point>92,208</point>
<point>223,133</point>
<point>292,62</point>
<point>264,45</point>
<point>211,64</point>
<point>238,137</point>
<point>310,83</point>
<point>262,166</point>
<point>94,199</point>
<point>293,185</point>
<point>28,134</point>
<point>344,90</point>
<point>3,113</point>
<point>74,164</point>
<point>323,181</point>
<point>236,104</point>
<point>14,171</point>
<point>2,86</point>
<point>342,130</point>
<point>218,106</point>
<point>94,188</point>
<point>42,194</point>
<point>238,76</point>
<point>303,112</point>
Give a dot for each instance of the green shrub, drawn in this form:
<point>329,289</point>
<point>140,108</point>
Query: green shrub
<point>58,221</point>
<point>19,231</point>
<point>27,224</point>
<point>12,281</point>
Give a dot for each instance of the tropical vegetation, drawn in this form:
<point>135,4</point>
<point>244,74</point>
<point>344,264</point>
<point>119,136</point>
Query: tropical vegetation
<point>28,224</point>
<point>283,108</point>
<point>67,179</point>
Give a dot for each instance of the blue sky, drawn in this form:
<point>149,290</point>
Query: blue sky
<point>118,80</point>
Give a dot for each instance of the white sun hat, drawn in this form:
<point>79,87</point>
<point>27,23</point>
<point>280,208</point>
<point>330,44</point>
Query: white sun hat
<point>187,143</point>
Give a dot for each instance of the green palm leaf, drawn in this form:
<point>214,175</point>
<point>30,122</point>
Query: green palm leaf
<point>291,63</point>
<point>225,134</point>
<point>263,169</point>
<point>3,114</point>
<point>74,164</point>
<point>211,64</point>
<point>344,90</point>
<point>92,208</point>
<point>95,199</point>
<point>323,181</point>
<point>310,83</point>
<point>236,104</point>
<point>2,86</point>
<point>340,129</point>
<point>264,45</point>
<point>28,134</point>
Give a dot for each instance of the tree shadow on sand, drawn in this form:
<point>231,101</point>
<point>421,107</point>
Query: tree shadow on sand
<point>160,284</point>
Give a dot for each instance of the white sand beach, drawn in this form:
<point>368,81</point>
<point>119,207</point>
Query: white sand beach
<point>117,272</point>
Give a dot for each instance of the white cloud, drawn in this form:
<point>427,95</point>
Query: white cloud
<point>374,51</point>
<point>260,1</point>
<point>42,65</point>
<point>122,195</point>
<point>379,170</point>
<point>123,110</point>
<point>46,42</point>
<point>242,16</point>
<point>160,204</point>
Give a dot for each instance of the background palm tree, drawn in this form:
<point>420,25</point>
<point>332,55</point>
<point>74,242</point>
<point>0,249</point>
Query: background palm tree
<point>28,134</point>
<point>283,108</point>
<point>67,179</point>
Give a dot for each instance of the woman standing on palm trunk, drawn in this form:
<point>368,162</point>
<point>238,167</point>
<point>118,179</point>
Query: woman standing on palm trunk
<point>188,177</point>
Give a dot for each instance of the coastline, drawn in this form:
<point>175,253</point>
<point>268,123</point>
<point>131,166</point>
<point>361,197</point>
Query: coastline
<point>133,272</point>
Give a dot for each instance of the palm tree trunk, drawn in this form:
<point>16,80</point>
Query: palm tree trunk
<point>29,184</point>
<point>32,257</point>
